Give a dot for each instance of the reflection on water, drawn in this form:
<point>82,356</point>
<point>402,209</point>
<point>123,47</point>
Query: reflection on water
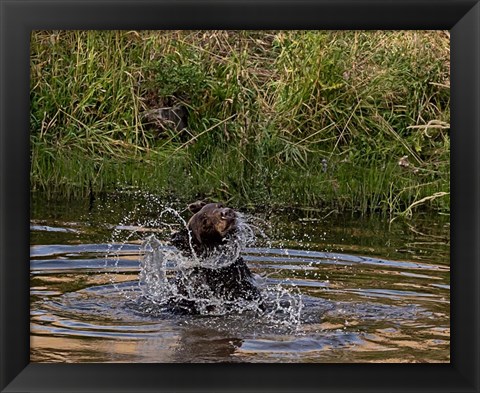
<point>370,292</point>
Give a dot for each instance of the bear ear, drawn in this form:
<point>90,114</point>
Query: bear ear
<point>196,206</point>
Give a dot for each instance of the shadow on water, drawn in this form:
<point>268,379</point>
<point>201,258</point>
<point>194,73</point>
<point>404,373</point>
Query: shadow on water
<point>345,289</point>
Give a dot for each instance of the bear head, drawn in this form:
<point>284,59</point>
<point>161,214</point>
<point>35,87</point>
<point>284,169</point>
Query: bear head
<point>211,223</point>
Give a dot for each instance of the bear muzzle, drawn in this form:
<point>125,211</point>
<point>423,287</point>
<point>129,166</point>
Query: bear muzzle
<point>228,214</point>
<point>228,221</point>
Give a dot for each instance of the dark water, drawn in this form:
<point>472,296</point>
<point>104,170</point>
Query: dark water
<point>356,290</point>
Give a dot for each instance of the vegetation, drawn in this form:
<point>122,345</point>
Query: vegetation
<point>347,120</point>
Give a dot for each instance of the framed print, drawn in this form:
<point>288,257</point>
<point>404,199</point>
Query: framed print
<point>239,196</point>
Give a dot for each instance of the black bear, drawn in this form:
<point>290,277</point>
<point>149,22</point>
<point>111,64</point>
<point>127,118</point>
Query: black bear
<point>211,227</point>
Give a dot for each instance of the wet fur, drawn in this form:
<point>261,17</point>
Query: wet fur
<point>209,228</point>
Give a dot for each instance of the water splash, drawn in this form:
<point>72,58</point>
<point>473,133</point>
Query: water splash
<point>166,279</point>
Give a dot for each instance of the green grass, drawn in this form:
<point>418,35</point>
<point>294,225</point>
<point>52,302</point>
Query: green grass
<point>267,110</point>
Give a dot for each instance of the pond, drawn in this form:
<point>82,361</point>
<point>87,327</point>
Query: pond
<point>345,289</point>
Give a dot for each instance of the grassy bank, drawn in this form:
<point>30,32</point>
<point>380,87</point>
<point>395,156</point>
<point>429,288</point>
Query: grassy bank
<point>312,119</point>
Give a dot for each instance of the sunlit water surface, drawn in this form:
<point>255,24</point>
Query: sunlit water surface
<point>337,288</point>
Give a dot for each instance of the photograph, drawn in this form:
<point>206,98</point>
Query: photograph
<point>263,196</point>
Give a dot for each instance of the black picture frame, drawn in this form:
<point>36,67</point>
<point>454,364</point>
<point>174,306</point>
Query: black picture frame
<point>18,18</point>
